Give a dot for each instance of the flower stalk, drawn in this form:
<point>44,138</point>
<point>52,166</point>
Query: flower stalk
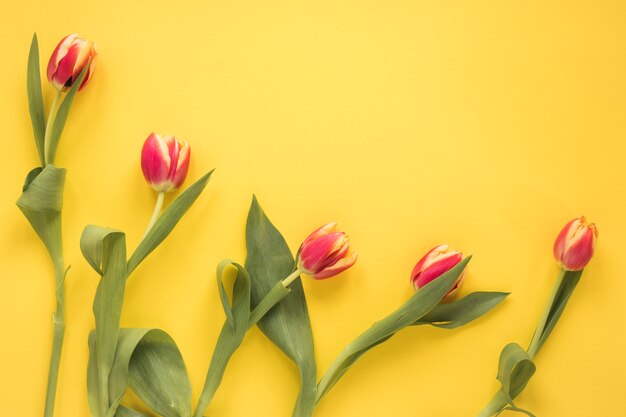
<point>156,212</point>
<point>58,319</point>
<point>573,249</point>
<point>42,199</point>
<point>273,297</point>
<point>54,108</point>
<point>534,346</point>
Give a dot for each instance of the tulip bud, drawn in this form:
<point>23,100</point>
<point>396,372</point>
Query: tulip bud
<point>575,244</point>
<point>325,253</point>
<point>164,161</point>
<point>69,59</point>
<point>435,263</point>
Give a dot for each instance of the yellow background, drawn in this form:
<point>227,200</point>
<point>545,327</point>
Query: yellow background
<point>484,124</point>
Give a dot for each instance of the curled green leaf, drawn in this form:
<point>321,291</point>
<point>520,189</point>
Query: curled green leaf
<point>92,244</point>
<point>232,334</point>
<point>30,177</point>
<point>42,202</point>
<point>515,369</point>
<point>149,362</point>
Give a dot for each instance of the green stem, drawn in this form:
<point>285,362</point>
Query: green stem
<point>535,342</point>
<point>497,403</point>
<point>57,341</point>
<point>54,108</point>
<point>291,278</point>
<point>155,213</point>
<point>332,375</point>
<point>276,294</point>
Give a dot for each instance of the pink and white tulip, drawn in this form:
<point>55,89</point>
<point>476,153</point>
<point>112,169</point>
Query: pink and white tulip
<point>165,162</point>
<point>325,253</point>
<point>435,263</point>
<point>69,59</point>
<point>575,244</point>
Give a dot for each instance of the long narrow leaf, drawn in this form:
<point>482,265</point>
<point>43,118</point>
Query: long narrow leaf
<point>567,287</point>
<point>61,117</point>
<point>287,325</point>
<point>167,221</point>
<point>107,305</point>
<point>35,99</point>
<point>422,302</point>
<point>463,311</point>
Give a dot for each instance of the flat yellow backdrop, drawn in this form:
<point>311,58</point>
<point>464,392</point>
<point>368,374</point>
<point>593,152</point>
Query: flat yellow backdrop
<point>483,124</point>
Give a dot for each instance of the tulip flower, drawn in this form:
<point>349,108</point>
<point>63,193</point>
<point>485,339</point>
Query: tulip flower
<point>435,263</point>
<point>573,249</point>
<point>325,253</point>
<point>67,62</point>
<point>165,162</point>
<point>69,59</point>
<point>575,244</point>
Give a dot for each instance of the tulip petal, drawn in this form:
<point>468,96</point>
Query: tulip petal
<point>443,264</point>
<point>337,254</point>
<point>561,240</point>
<point>428,258</point>
<point>337,268</point>
<point>59,52</point>
<point>68,61</point>
<point>579,250</point>
<point>64,74</point>
<point>324,230</point>
<point>315,253</point>
<point>182,165</point>
<point>155,161</point>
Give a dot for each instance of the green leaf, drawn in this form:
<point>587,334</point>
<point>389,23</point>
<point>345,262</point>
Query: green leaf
<point>32,174</point>
<point>35,99</point>
<point>93,394</point>
<point>159,377</point>
<point>62,113</point>
<point>148,361</point>
<point>463,311</point>
<point>517,409</point>
<point>514,370</point>
<point>421,303</point>
<point>167,221</point>
<point>287,325</point>
<point>128,412</point>
<point>232,334</point>
<point>106,249</point>
<point>42,202</point>
<point>566,288</point>
<point>92,243</point>
<point>273,297</point>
